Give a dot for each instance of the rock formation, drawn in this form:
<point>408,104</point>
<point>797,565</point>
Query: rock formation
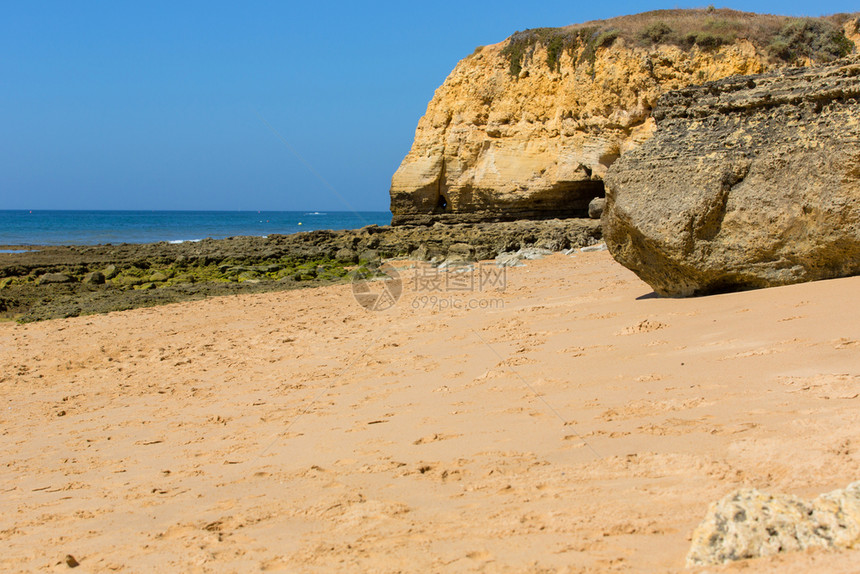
<point>750,524</point>
<point>527,128</point>
<point>748,182</point>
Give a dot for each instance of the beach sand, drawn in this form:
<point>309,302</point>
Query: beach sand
<point>578,424</point>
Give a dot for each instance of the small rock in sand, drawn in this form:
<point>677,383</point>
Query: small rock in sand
<point>595,207</point>
<point>508,260</point>
<point>94,278</point>
<point>590,248</point>
<point>533,253</point>
<point>54,278</point>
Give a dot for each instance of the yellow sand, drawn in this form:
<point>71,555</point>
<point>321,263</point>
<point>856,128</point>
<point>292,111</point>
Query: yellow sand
<point>580,424</point>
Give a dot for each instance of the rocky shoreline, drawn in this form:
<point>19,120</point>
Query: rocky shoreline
<point>67,281</point>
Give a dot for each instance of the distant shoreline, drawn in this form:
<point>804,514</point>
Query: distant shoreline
<point>25,229</point>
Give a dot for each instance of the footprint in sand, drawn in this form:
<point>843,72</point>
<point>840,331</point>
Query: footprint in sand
<point>826,386</point>
<point>646,408</point>
<point>644,326</point>
<point>600,316</point>
<point>480,555</point>
<point>844,343</point>
<point>598,433</point>
<point>434,438</point>
<point>752,353</point>
<point>676,427</point>
<point>580,351</point>
<point>454,473</point>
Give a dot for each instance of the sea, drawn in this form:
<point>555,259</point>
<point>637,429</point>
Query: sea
<point>44,227</point>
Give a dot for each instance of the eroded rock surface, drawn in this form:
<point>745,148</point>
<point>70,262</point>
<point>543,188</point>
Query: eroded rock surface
<point>750,524</point>
<point>748,182</point>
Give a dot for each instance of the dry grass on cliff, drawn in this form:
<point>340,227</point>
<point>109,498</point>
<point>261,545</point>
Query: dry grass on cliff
<point>823,36</point>
<point>782,38</point>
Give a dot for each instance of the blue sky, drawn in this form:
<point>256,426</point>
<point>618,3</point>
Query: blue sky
<point>158,105</point>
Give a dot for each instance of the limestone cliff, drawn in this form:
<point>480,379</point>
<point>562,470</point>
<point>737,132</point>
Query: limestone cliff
<point>526,129</point>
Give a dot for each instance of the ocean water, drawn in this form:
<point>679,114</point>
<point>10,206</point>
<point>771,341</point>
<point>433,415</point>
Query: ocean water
<point>22,227</point>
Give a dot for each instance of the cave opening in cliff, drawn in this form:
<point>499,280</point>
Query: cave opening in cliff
<point>566,199</point>
<point>441,203</point>
<point>585,192</point>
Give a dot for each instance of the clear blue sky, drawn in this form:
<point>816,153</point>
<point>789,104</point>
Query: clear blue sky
<point>157,105</point>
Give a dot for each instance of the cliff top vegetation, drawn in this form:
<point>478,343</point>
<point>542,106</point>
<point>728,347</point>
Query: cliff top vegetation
<point>781,38</point>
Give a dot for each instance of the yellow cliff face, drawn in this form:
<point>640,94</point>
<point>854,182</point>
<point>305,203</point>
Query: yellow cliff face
<point>852,31</point>
<point>491,141</point>
<point>497,146</point>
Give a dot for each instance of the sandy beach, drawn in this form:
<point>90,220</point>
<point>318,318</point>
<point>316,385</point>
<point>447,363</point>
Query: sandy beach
<point>572,422</point>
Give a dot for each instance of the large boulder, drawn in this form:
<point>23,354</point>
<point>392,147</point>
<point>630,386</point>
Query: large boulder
<point>748,182</point>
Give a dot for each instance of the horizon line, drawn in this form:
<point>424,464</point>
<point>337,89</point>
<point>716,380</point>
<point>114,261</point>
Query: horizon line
<point>318,210</point>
